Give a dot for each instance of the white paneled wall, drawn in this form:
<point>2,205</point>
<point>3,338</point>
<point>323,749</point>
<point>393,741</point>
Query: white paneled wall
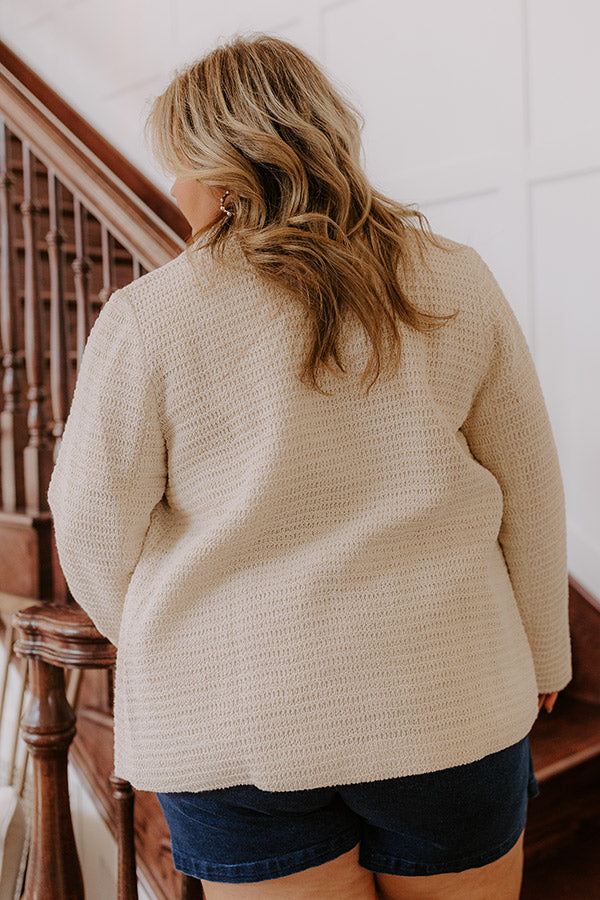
<point>482,113</point>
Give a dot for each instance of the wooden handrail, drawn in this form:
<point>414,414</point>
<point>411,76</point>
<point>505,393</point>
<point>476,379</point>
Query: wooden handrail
<point>94,142</point>
<point>138,214</point>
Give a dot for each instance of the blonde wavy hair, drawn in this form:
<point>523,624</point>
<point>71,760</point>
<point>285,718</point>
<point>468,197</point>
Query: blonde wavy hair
<point>259,116</point>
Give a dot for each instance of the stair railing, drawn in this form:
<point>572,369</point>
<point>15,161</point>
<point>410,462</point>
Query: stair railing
<point>77,221</point>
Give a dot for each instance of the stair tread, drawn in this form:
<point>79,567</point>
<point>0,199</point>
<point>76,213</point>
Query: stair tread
<point>567,737</point>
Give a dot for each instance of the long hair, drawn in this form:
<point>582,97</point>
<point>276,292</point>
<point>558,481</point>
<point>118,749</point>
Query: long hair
<point>259,116</point>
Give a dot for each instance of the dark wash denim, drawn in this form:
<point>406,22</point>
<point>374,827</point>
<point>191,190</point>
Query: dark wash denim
<point>457,818</point>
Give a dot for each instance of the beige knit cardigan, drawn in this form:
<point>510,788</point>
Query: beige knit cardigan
<point>308,590</point>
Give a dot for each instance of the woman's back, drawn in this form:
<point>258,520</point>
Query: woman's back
<point>320,575</point>
<point>334,610</point>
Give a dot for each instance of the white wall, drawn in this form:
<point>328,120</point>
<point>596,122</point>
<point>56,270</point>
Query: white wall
<point>482,113</point>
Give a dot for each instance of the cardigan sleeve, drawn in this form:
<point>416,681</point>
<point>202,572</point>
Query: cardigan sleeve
<point>509,432</point>
<point>111,467</point>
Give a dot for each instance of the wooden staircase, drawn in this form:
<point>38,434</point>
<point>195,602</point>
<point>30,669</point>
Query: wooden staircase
<point>563,826</point>
<point>76,222</point>
<point>562,836</point>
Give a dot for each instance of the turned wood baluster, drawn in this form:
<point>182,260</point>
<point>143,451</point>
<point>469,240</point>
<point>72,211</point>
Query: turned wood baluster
<point>137,268</point>
<point>81,271</point>
<point>13,417</point>
<point>109,686</point>
<point>108,265</point>
<point>51,637</point>
<point>123,796</point>
<point>59,345</point>
<point>37,454</point>
<point>127,888</point>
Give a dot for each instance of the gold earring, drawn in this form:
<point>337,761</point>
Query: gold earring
<point>228,212</point>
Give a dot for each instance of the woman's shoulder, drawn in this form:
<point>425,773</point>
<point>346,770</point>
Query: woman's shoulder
<point>159,289</point>
<point>433,257</point>
<point>170,273</point>
<point>442,274</point>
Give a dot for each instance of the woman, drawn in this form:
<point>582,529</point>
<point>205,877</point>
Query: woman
<point>337,611</point>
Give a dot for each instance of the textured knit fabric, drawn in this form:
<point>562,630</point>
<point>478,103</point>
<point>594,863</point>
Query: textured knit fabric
<point>308,590</point>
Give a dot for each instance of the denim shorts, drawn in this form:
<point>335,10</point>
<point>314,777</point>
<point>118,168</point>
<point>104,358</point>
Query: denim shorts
<point>446,821</point>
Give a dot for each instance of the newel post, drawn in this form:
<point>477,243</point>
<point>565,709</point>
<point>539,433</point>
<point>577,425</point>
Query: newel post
<point>53,637</point>
<point>53,869</point>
